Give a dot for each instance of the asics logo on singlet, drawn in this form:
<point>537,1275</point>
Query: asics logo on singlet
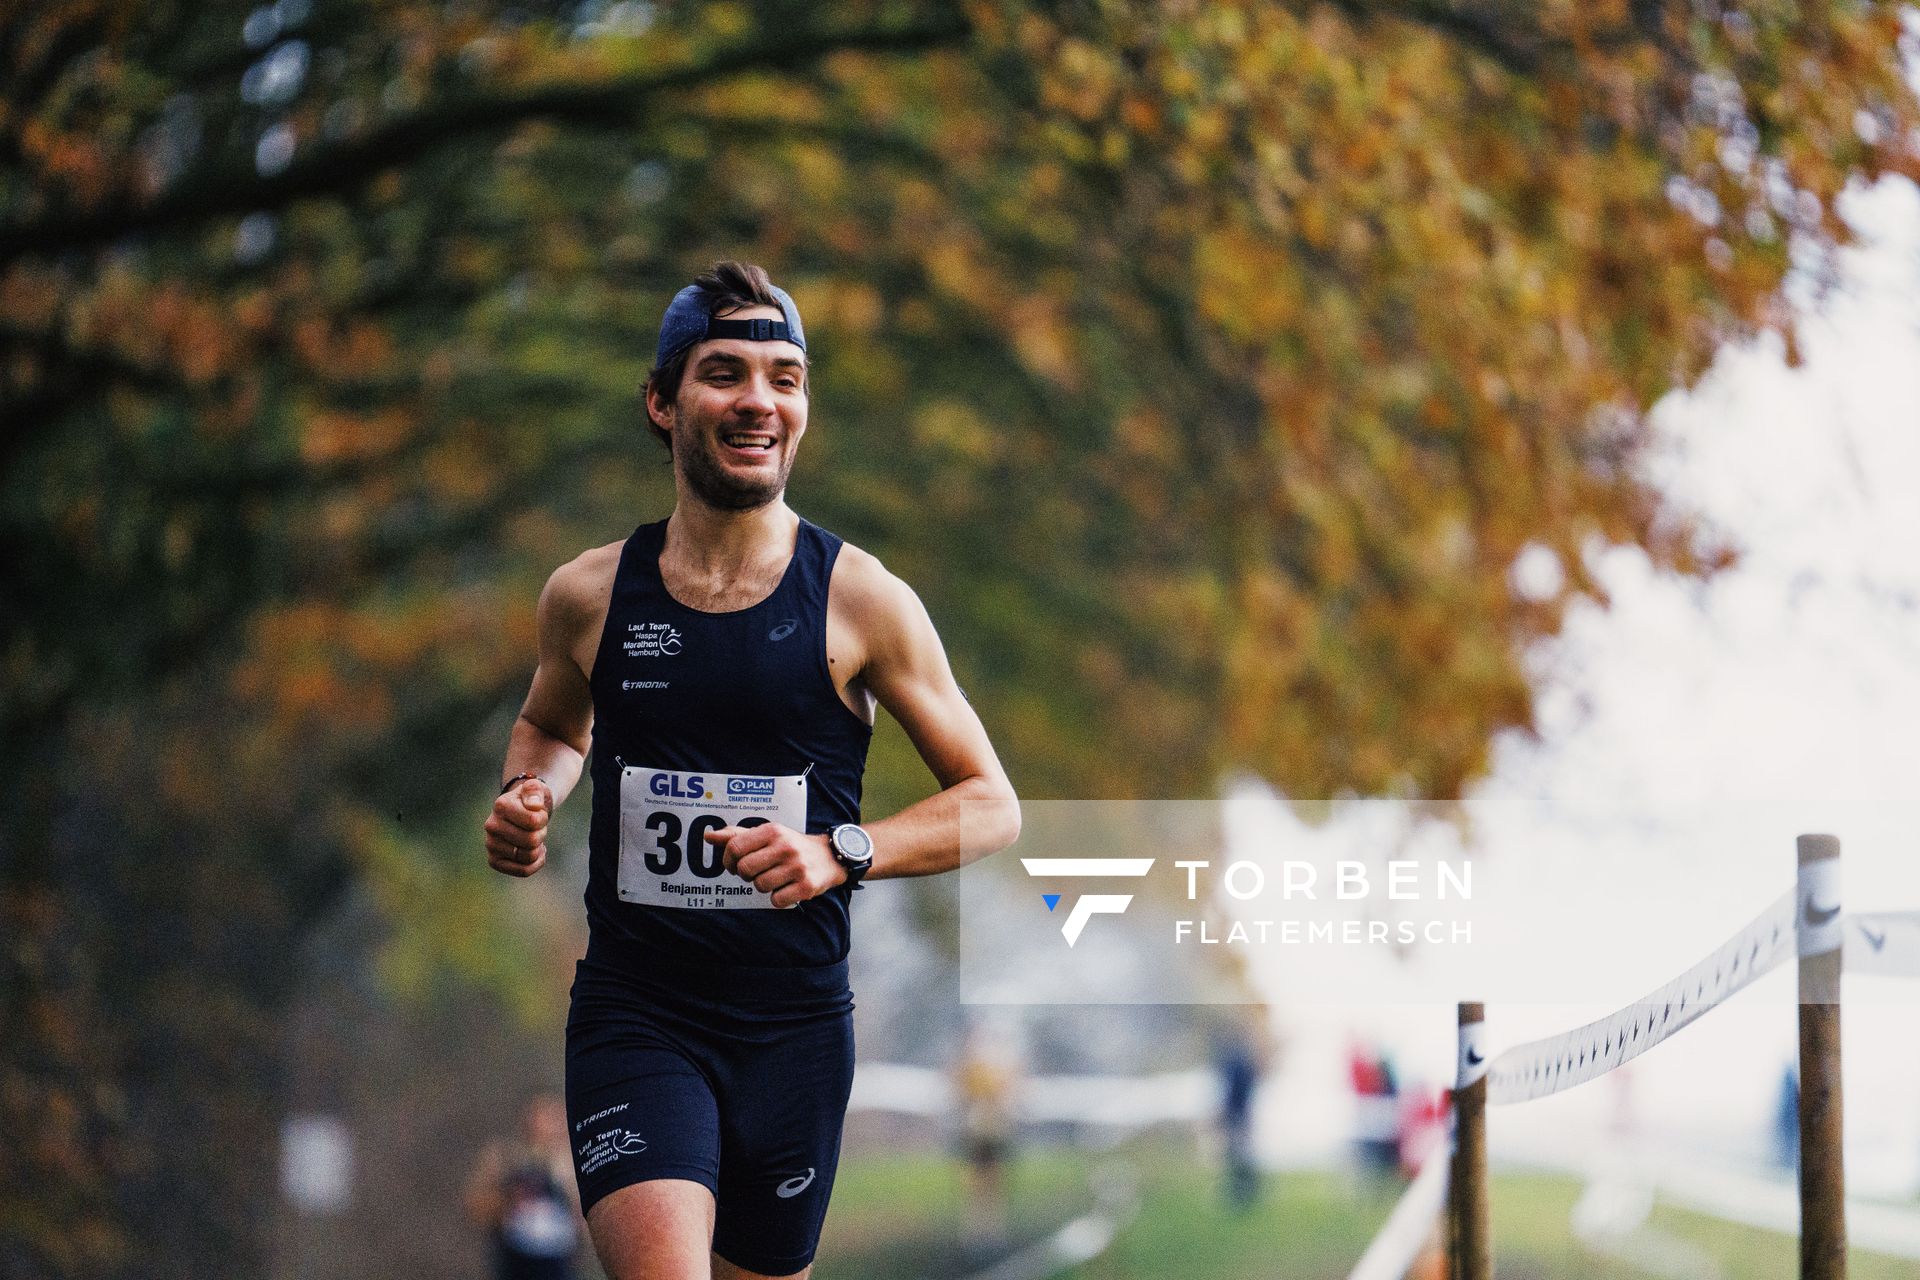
<point>784,630</point>
<point>794,1186</point>
<point>1088,905</point>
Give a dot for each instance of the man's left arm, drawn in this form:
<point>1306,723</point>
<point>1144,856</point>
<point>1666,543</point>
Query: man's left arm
<point>905,667</point>
<point>975,812</point>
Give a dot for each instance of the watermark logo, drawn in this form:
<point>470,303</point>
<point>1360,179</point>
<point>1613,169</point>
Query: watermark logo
<point>1088,905</point>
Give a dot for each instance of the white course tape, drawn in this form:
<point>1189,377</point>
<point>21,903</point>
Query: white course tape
<point>1773,1204</point>
<point>1547,1066</point>
<point>1819,922</point>
<point>1610,1219</point>
<point>1116,1200</point>
<point>1408,1227</point>
<point>1884,943</point>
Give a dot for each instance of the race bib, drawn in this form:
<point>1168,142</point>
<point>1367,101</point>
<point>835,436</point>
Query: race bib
<point>665,815</point>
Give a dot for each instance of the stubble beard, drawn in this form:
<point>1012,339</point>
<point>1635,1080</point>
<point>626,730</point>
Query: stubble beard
<point>714,486</point>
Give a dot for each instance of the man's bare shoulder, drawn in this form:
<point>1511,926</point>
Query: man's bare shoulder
<point>864,586</point>
<point>578,590</point>
<point>883,611</point>
<point>592,568</point>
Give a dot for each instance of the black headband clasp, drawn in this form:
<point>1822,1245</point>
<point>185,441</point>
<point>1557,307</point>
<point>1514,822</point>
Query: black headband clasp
<point>757,330</point>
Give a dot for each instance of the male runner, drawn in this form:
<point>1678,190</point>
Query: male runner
<point>724,665</point>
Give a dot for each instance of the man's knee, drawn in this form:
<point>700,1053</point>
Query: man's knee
<point>724,1270</point>
<point>658,1230</point>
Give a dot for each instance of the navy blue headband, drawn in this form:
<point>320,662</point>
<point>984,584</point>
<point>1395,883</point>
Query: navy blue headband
<point>687,322</point>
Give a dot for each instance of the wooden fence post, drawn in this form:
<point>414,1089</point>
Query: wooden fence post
<point>1469,1256</point>
<point>1823,1184</point>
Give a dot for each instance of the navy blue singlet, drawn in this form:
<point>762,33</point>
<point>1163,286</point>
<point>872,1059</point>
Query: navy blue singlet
<point>743,692</point>
<point>715,1043</point>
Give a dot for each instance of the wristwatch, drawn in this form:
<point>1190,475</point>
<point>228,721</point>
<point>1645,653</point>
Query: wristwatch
<point>853,849</point>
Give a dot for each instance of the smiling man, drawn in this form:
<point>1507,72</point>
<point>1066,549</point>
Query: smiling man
<point>723,665</point>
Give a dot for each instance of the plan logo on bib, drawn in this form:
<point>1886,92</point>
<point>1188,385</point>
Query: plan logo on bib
<point>1088,905</point>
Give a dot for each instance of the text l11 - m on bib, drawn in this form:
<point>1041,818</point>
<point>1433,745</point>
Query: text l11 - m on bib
<point>665,815</point>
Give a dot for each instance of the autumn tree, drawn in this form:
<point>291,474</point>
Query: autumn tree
<point>1207,366</point>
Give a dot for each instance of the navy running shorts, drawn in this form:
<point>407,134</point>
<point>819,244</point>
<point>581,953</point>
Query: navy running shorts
<point>746,1096</point>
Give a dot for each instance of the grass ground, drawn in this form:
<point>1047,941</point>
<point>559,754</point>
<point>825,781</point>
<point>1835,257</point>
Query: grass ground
<point>899,1216</point>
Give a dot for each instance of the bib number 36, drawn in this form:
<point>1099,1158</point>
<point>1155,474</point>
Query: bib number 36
<point>700,857</point>
<point>665,817</point>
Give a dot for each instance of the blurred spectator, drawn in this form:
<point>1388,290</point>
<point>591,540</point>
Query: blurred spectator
<point>1625,1118</point>
<point>1423,1126</point>
<point>1377,1122</point>
<point>1786,1120</point>
<point>522,1191</point>
<point>986,1087</point>
<point>1240,1054</point>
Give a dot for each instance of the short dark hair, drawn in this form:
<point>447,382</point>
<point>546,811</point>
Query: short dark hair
<point>724,287</point>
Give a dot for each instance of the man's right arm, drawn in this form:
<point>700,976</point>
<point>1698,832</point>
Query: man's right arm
<point>551,736</point>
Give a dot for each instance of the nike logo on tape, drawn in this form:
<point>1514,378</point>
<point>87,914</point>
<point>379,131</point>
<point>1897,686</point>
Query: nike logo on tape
<point>1475,1057</point>
<point>794,1186</point>
<point>1878,940</point>
<point>1819,915</point>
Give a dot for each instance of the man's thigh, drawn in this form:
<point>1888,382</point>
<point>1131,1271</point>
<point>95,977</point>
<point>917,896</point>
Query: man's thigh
<point>783,1102</point>
<point>642,1112</point>
<point>659,1230</point>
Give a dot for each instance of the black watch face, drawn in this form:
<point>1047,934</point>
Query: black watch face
<point>853,843</point>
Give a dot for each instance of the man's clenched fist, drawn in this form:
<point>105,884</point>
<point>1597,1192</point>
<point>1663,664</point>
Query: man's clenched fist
<point>787,866</point>
<point>517,828</point>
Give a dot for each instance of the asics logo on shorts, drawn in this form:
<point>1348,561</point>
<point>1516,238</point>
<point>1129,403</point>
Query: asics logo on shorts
<point>794,1186</point>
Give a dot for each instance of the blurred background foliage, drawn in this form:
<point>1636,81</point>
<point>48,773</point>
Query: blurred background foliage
<point>1207,367</point>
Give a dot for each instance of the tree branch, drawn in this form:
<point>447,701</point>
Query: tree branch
<point>237,189</point>
<point>71,374</point>
<point>873,143</point>
<point>26,82</point>
<point>1479,32</point>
